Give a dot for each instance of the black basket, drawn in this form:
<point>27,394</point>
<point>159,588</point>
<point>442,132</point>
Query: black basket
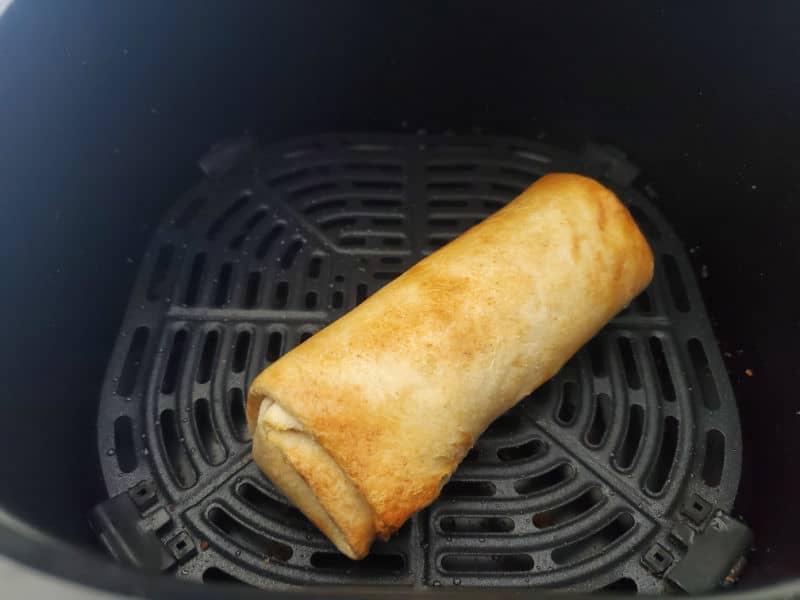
<point>604,477</point>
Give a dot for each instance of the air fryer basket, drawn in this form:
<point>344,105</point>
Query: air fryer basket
<point>106,111</point>
<point>618,473</point>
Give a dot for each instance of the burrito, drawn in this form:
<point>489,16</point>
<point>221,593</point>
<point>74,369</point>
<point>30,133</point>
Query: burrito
<point>361,425</point>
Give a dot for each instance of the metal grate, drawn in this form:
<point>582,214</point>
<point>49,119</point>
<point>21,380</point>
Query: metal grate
<point>569,489</point>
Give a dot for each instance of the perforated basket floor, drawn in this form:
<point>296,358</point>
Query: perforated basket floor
<point>569,489</point>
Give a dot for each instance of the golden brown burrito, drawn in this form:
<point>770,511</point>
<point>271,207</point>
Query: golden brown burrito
<point>363,424</point>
